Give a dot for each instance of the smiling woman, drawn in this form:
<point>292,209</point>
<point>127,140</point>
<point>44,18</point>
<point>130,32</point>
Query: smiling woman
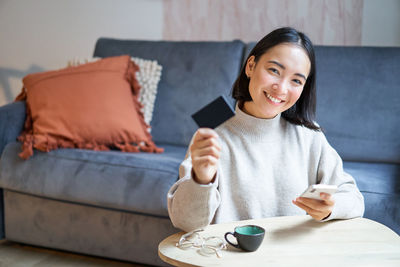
<point>276,80</point>
<point>256,164</point>
<point>288,61</point>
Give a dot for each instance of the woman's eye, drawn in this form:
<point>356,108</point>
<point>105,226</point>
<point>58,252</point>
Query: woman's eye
<point>274,70</point>
<point>297,81</point>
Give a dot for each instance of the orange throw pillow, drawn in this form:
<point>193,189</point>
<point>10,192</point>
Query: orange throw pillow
<point>91,106</point>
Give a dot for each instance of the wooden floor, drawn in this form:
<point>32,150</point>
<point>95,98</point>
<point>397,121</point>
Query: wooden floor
<point>15,254</point>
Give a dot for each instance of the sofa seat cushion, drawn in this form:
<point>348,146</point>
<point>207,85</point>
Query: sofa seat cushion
<point>380,185</point>
<point>136,182</point>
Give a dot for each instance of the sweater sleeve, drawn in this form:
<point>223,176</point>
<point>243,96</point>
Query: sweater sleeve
<point>192,205</point>
<point>349,202</point>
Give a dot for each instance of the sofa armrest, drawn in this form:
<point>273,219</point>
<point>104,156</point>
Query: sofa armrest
<point>12,119</point>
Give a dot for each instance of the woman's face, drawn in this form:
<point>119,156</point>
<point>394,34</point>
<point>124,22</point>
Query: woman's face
<point>276,80</point>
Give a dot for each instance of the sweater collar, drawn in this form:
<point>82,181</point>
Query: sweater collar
<point>256,128</point>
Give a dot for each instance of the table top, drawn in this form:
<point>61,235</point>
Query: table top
<point>297,241</point>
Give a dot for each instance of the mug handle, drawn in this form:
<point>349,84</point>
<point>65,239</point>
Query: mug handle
<point>226,238</point>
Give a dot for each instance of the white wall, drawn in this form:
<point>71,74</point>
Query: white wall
<point>38,35</point>
<point>381,23</point>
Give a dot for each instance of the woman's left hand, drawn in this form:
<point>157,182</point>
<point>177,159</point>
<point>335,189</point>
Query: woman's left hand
<point>318,209</point>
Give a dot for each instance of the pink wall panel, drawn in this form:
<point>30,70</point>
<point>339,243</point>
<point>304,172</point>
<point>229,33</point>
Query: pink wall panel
<point>328,22</point>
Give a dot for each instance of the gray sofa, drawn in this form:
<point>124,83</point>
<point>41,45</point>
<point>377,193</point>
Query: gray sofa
<point>113,204</point>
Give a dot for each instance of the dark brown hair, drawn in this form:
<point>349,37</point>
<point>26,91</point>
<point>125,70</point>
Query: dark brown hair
<point>303,111</point>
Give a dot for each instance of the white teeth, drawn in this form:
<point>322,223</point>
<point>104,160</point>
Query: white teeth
<point>273,99</point>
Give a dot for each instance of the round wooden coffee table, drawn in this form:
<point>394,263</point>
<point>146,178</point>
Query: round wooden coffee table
<point>297,241</point>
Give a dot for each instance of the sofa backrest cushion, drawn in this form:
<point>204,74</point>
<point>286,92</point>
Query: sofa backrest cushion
<point>194,73</point>
<point>358,101</point>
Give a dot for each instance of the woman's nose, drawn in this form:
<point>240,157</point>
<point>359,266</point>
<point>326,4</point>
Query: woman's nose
<point>279,88</point>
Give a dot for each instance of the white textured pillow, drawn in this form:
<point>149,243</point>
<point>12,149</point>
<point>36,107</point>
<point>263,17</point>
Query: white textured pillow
<point>148,76</point>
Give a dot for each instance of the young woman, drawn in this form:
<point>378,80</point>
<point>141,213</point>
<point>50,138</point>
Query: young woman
<point>256,164</point>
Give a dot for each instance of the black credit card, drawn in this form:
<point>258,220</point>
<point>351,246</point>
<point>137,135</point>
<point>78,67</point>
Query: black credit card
<point>214,114</point>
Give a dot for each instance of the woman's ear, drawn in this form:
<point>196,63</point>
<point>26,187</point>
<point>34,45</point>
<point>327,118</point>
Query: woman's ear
<point>250,65</point>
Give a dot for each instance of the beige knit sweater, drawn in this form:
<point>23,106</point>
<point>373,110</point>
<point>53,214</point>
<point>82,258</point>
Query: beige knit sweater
<point>264,165</point>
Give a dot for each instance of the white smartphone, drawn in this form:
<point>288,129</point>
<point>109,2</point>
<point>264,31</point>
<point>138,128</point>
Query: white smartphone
<point>313,191</point>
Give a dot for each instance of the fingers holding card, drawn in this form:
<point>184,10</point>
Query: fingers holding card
<point>205,152</point>
<point>205,149</point>
<point>214,114</point>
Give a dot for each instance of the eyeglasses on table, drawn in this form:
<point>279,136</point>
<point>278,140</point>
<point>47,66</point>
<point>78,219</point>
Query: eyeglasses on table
<point>207,246</point>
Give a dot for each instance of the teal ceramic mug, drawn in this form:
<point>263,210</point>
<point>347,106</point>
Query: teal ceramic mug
<point>248,237</point>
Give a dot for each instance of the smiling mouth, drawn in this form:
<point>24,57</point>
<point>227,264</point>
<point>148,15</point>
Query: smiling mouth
<point>273,99</point>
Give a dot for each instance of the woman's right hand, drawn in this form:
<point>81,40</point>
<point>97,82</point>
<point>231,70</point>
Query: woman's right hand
<point>205,151</point>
